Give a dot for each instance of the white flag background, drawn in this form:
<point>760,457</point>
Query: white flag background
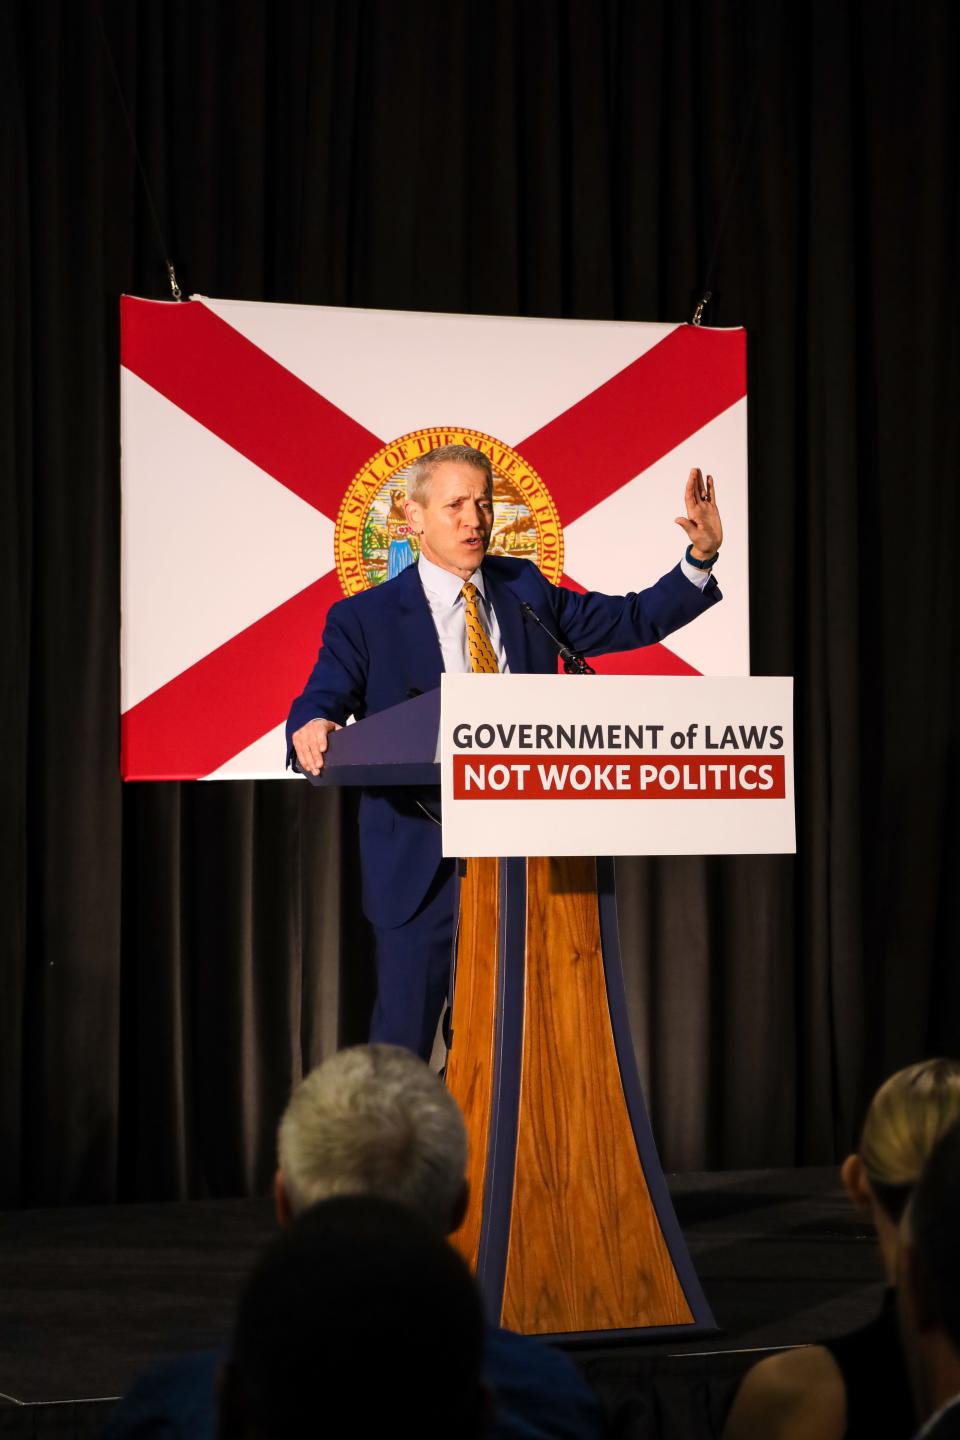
<point>264,449</point>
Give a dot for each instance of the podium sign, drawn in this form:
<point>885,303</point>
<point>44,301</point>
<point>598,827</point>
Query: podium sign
<point>617,765</point>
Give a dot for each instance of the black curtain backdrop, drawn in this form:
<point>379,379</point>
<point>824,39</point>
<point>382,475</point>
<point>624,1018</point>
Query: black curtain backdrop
<point>175,955</point>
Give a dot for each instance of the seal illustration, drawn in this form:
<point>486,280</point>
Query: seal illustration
<point>373,543</point>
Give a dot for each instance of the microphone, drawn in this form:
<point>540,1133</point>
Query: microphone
<point>573,662</point>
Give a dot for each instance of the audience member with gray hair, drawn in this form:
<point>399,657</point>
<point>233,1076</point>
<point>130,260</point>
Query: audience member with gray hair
<point>375,1120</point>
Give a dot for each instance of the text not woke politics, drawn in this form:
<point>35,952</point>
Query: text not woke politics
<point>699,777</point>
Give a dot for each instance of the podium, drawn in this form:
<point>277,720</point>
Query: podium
<point>570,1228</point>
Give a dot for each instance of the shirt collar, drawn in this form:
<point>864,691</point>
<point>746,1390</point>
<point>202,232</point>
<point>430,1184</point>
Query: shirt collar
<point>442,584</point>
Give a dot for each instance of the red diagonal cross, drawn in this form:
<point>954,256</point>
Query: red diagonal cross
<point>213,709</point>
<point>625,426</point>
<point>628,423</point>
<point>195,722</point>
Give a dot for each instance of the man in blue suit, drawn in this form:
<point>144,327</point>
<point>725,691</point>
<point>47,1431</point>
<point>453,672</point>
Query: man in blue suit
<point>459,610</point>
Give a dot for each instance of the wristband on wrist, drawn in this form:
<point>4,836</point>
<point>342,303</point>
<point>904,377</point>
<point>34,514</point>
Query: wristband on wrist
<point>701,564</point>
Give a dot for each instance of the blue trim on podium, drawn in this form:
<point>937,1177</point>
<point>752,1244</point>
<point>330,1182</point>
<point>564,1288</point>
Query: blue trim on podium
<point>449,1018</point>
<point>376,776</point>
<point>634,1335</point>
<point>703,1321</point>
<point>393,747</point>
<point>505,1096</point>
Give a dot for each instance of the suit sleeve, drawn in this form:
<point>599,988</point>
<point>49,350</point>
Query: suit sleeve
<point>596,624</point>
<point>337,685</point>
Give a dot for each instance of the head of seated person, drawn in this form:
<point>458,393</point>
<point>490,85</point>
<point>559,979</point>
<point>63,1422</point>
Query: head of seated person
<point>374,1120</point>
<point>358,1320</point>
<point>803,1392</point>
<point>928,1289</point>
<point>907,1117</point>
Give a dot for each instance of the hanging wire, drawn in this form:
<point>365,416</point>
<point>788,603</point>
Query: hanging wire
<point>164,249</point>
<point>706,294</point>
<point>702,304</point>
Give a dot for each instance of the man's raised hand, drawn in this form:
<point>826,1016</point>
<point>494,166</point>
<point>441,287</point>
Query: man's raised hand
<point>702,520</point>
<point>310,743</point>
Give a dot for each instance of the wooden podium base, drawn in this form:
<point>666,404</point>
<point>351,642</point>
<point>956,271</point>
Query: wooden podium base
<point>570,1226</point>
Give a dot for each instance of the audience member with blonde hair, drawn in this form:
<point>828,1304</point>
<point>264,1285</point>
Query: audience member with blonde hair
<point>928,1291</point>
<point>856,1385</point>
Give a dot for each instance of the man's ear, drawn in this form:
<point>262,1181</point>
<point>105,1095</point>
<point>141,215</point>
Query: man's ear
<point>281,1201</point>
<point>853,1176</point>
<point>459,1212</point>
<point>414,514</point>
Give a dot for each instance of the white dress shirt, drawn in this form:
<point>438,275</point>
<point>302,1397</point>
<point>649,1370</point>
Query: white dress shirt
<point>449,610</point>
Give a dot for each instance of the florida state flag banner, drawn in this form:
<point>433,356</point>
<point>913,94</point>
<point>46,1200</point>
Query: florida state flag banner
<point>265,450</point>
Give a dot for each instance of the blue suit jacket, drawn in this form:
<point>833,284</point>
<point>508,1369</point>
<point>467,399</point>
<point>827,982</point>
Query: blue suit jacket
<point>537,1393</point>
<point>380,647</point>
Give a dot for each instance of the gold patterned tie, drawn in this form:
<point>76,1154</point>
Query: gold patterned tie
<point>483,661</point>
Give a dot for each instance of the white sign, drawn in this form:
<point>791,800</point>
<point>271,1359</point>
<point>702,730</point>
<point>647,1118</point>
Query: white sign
<point>616,765</point>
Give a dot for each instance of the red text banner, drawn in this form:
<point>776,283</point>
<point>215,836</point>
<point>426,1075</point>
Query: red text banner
<point>614,777</point>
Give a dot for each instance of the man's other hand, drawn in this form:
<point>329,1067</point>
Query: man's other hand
<point>310,743</point>
<point>702,520</point>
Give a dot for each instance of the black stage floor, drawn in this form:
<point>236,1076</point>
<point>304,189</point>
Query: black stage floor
<point>89,1296</point>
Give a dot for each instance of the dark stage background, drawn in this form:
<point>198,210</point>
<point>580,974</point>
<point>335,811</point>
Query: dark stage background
<point>174,955</point>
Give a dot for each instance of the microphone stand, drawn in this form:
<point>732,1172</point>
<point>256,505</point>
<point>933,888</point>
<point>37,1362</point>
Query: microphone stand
<point>573,662</point>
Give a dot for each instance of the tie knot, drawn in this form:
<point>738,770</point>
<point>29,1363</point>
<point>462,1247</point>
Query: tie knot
<point>469,591</point>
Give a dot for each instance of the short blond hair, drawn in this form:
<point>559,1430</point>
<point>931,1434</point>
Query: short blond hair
<point>374,1120</point>
<point>421,471</point>
<point>906,1118</point>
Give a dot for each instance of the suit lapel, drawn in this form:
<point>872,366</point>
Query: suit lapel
<point>506,604</point>
<point>417,641</point>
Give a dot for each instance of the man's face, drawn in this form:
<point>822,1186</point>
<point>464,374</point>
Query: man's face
<point>455,522</point>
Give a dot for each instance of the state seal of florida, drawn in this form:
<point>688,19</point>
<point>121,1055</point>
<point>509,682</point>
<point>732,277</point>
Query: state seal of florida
<point>373,542</point>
